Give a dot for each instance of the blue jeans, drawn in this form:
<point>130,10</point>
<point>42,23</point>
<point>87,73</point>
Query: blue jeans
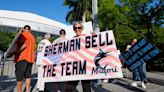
<point>145,72</point>
<point>135,74</point>
<point>140,73</point>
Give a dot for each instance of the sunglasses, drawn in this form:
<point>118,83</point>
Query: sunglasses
<point>76,28</point>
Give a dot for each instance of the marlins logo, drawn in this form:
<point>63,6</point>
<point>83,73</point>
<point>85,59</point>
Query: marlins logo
<point>98,57</point>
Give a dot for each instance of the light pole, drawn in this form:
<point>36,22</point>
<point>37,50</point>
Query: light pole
<point>94,15</point>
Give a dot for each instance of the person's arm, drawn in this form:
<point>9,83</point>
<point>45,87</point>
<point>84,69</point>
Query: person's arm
<point>24,43</point>
<point>39,46</point>
<point>128,47</point>
<point>21,48</point>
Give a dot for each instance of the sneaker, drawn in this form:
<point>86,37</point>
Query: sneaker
<point>134,84</point>
<point>105,80</point>
<point>143,85</point>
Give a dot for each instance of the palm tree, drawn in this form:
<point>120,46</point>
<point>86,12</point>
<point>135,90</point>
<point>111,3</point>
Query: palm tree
<point>79,10</point>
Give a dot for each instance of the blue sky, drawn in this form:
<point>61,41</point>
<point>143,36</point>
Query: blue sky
<point>53,9</point>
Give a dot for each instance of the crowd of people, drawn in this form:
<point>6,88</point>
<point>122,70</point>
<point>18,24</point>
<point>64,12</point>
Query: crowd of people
<point>24,58</point>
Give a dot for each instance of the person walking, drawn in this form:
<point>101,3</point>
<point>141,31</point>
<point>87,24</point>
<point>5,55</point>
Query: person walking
<point>24,58</point>
<point>40,53</point>
<point>138,73</point>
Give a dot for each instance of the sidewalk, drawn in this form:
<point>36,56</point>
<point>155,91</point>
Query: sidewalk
<point>153,76</point>
<point>156,84</point>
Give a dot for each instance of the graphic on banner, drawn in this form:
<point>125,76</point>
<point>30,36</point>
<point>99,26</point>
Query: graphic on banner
<point>97,60</point>
<point>98,57</point>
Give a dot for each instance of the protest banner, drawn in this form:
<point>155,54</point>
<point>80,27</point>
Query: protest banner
<point>142,51</point>
<point>82,58</point>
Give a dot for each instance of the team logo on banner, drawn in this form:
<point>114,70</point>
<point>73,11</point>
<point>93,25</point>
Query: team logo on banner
<point>98,59</point>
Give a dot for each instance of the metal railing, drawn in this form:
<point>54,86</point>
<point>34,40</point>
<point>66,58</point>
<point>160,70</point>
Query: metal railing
<point>7,68</point>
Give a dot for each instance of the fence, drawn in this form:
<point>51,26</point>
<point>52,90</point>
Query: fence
<point>7,68</point>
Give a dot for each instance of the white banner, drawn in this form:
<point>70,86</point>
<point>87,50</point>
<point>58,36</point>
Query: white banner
<point>82,58</point>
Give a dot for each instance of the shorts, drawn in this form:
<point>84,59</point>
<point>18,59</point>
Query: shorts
<point>23,70</point>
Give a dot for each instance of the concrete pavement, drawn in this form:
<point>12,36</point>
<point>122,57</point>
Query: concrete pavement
<point>153,76</point>
<point>8,83</point>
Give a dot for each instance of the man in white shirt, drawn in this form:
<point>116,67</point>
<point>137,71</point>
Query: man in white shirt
<point>41,48</point>
<point>40,53</point>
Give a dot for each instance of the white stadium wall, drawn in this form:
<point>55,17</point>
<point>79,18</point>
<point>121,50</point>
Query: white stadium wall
<point>37,23</point>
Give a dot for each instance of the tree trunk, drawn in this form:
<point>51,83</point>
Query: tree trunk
<point>149,34</point>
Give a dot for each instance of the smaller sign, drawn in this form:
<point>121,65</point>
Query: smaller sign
<point>139,53</point>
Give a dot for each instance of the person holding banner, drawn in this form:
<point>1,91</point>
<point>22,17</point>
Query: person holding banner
<point>62,34</point>
<point>58,86</point>
<point>41,48</point>
<point>134,73</point>
<point>138,73</point>
<point>40,52</point>
<point>24,58</point>
<point>86,84</point>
